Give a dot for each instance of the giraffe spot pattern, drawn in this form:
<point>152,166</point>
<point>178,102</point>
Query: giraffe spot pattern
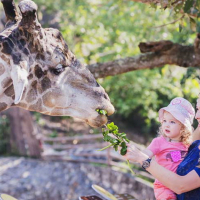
<point>40,57</point>
<point>38,72</point>
<point>22,42</point>
<point>47,100</point>
<point>2,69</point>
<point>27,35</point>
<point>37,106</point>
<point>30,76</point>
<point>1,38</point>
<point>41,36</point>
<point>16,58</point>
<point>4,58</point>
<point>34,85</point>
<point>3,106</point>
<point>56,112</point>
<point>7,47</point>
<point>31,47</point>
<point>46,84</point>
<point>19,45</point>
<point>9,91</point>
<point>22,105</point>
<point>31,95</point>
<point>25,51</point>
<point>6,82</point>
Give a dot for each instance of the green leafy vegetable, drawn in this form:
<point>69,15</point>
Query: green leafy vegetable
<point>111,134</point>
<point>102,112</point>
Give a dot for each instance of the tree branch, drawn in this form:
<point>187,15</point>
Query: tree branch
<point>161,2</point>
<point>157,54</point>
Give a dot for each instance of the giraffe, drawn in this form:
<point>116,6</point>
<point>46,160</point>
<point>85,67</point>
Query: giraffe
<point>39,73</point>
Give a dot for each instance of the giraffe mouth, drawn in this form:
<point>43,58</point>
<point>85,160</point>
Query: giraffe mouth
<point>101,118</point>
<point>99,121</point>
<point>105,112</point>
<point>90,116</point>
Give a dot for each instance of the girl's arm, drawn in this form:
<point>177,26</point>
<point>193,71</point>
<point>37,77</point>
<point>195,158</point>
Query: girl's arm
<point>148,153</point>
<point>179,184</point>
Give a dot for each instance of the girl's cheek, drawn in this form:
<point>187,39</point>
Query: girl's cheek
<point>197,114</point>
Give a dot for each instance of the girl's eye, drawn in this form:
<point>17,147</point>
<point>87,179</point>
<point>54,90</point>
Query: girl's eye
<point>164,120</point>
<point>172,122</point>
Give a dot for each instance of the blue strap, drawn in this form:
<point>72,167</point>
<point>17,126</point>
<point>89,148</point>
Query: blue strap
<point>197,169</point>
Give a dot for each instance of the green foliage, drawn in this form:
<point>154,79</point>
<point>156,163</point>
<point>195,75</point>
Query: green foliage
<point>4,135</point>
<point>54,134</point>
<point>119,139</point>
<point>37,116</point>
<point>143,93</point>
<point>111,134</point>
<point>102,112</point>
<point>188,10</point>
<point>101,31</point>
<point>191,6</point>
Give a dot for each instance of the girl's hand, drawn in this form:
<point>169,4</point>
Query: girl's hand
<point>134,154</point>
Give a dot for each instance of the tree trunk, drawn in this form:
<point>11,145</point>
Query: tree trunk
<point>23,139</point>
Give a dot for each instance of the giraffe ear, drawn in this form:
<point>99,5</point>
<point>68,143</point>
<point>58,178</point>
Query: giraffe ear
<point>19,77</point>
<point>29,19</point>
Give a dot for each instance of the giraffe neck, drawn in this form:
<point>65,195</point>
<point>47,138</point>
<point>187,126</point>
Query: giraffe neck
<point>6,86</point>
<point>19,46</point>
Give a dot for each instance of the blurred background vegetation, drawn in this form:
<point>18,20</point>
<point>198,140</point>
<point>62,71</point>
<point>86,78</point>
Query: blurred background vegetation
<point>101,31</point>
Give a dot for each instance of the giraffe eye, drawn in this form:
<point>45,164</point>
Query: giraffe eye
<point>58,70</point>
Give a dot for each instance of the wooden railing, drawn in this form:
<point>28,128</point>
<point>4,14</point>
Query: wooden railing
<point>85,149</point>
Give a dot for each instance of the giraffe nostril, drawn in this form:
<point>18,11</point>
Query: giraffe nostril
<point>97,85</point>
<point>105,96</point>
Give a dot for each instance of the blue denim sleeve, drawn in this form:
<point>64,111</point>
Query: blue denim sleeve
<point>197,169</point>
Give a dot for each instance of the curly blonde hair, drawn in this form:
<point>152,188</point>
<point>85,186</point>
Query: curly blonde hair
<point>186,135</point>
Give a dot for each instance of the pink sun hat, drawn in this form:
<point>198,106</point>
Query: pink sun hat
<point>181,109</point>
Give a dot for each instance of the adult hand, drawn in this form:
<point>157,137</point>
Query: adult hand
<point>134,154</point>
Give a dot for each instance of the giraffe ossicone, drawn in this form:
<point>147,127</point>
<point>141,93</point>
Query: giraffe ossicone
<point>39,73</point>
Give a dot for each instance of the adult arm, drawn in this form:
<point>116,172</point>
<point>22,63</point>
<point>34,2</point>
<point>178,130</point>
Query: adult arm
<point>196,134</point>
<point>179,184</point>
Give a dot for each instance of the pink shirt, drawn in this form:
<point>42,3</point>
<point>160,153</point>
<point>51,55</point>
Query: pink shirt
<point>168,154</point>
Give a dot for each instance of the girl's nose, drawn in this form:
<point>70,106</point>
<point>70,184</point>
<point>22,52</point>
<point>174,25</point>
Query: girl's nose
<point>167,124</point>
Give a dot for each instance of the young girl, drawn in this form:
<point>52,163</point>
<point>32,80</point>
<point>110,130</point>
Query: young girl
<point>174,139</point>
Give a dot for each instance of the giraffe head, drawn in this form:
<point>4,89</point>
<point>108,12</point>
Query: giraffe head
<point>39,73</point>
